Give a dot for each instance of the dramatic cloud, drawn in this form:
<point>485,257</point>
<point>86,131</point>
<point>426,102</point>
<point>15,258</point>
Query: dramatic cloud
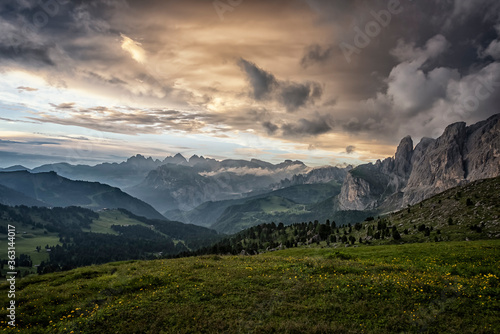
<point>316,54</point>
<point>295,95</point>
<point>411,89</point>
<point>262,82</point>
<point>292,95</point>
<point>270,74</point>
<point>270,127</point>
<point>305,127</point>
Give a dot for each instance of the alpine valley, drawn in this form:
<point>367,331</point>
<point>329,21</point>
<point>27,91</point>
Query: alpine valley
<point>443,192</point>
<point>231,195</point>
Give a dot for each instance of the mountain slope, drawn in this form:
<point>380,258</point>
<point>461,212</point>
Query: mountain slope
<point>10,196</point>
<point>184,187</point>
<point>282,210</point>
<point>124,174</point>
<point>14,168</point>
<point>208,213</point>
<point>55,190</point>
<point>76,236</point>
<point>469,212</point>
<point>461,155</point>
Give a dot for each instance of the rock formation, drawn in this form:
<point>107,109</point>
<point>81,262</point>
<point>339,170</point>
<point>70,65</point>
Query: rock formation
<point>462,154</point>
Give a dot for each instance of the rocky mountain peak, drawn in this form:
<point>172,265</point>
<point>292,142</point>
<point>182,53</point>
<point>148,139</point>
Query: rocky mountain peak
<point>177,159</point>
<point>460,155</point>
<point>402,159</point>
<point>454,134</point>
<point>136,157</point>
<point>195,159</point>
<point>179,156</point>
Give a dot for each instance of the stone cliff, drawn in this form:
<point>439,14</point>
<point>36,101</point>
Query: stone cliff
<point>460,155</point>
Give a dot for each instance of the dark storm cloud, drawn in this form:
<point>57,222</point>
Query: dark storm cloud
<point>292,95</point>
<point>466,25</point>
<point>270,127</point>
<point>305,127</point>
<point>296,95</point>
<point>316,54</point>
<point>419,73</point>
<point>29,55</point>
<point>262,82</point>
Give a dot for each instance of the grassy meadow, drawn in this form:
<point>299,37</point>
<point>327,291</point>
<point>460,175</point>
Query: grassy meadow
<point>445,287</point>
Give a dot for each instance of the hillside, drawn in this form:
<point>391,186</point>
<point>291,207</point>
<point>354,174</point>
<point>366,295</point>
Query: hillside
<point>123,174</point>
<point>469,212</point>
<point>64,238</point>
<point>433,288</point>
<point>11,197</point>
<point>57,191</point>
<point>225,216</point>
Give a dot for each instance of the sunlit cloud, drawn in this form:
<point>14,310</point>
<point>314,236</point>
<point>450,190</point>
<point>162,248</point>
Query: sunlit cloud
<point>134,49</point>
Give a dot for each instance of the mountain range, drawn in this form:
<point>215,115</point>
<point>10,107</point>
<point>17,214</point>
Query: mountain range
<point>51,190</point>
<point>231,195</point>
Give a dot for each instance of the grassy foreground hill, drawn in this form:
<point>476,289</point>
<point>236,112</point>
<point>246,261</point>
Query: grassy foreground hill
<point>450,287</point>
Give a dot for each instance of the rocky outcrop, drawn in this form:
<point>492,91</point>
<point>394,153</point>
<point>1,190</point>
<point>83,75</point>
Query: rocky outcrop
<point>358,193</point>
<point>462,154</point>
<point>317,175</point>
<point>440,168</point>
<point>367,187</point>
<point>482,150</point>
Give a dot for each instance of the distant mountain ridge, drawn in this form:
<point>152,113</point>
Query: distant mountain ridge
<point>180,183</point>
<point>14,168</point>
<point>136,168</point>
<point>171,187</point>
<point>52,190</point>
<point>292,203</point>
<point>460,155</point>
<point>318,175</point>
<point>188,184</point>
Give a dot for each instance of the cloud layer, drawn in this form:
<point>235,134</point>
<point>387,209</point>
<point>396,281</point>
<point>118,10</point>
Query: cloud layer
<point>274,70</point>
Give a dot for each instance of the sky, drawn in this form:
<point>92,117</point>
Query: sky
<point>325,82</point>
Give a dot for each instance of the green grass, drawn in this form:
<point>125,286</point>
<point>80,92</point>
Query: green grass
<point>27,243</point>
<point>107,218</point>
<point>475,204</point>
<point>447,287</point>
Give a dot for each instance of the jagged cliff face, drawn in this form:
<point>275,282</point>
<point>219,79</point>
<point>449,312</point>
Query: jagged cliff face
<point>367,186</point>
<point>462,154</point>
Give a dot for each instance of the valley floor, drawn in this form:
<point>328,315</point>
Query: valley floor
<point>444,287</point>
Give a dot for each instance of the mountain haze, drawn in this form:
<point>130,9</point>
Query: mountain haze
<point>53,190</point>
